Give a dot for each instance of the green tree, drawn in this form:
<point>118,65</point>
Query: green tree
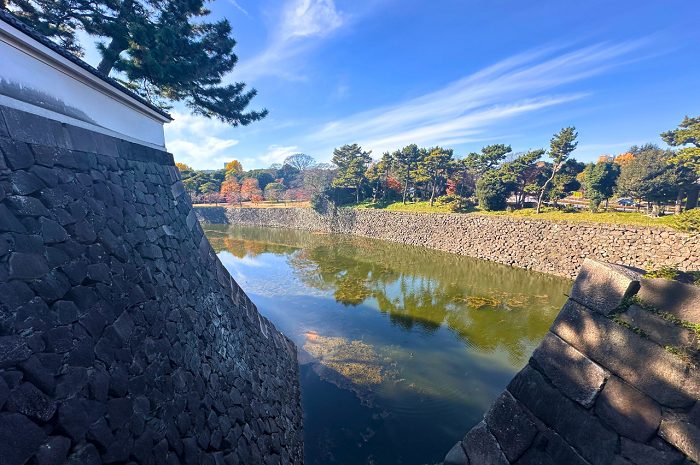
<point>407,159</point>
<point>352,163</point>
<point>488,159</point>
<point>599,181</point>
<point>492,190</point>
<point>521,173</point>
<point>274,191</point>
<point>434,168</point>
<point>561,146</point>
<point>165,50</point>
<point>650,177</point>
<point>687,133</point>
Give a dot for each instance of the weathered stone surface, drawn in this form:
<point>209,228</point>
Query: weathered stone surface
<point>682,434</point>
<point>30,401</point>
<point>643,454</point>
<point>456,456</point>
<point>511,426</point>
<point>640,362</point>
<point>576,376</point>
<point>680,300</point>
<point>27,265</point>
<point>602,287</point>
<point>659,330</point>
<point>482,447</point>
<point>595,442</point>
<point>628,411</point>
<point>20,438</point>
<point>13,349</point>
<point>8,221</point>
<point>53,451</point>
<point>114,328</point>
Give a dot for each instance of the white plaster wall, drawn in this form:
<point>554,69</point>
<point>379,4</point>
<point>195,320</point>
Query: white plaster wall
<point>36,68</point>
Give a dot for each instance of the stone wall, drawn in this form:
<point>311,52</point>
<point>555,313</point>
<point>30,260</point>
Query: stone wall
<point>615,381</point>
<point>554,247</point>
<point>122,337</point>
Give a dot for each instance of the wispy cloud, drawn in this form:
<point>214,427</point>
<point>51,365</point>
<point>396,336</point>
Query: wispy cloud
<point>198,141</point>
<point>463,110</point>
<point>274,154</point>
<point>301,25</point>
<point>237,6</point>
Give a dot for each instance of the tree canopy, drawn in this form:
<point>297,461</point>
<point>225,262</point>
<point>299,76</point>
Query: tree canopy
<point>164,50</point>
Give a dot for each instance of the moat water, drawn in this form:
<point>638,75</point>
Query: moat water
<point>401,349</point>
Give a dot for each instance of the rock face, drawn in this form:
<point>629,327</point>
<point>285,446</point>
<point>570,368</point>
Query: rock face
<point>599,390</point>
<point>554,247</point>
<point>122,337</point>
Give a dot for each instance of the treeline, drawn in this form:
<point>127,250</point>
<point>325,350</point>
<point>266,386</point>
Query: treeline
<point>495,178</point>
<point>298,178</point>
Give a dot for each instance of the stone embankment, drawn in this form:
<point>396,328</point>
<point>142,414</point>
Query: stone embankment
<point>122,337</point>
<point>616,381</point>
<point>554,247</point>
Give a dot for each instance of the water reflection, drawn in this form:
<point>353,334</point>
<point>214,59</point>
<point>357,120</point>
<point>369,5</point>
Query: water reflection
<point>424,340</point>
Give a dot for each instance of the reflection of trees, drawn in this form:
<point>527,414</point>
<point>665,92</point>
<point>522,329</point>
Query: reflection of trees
<point>490,306</point>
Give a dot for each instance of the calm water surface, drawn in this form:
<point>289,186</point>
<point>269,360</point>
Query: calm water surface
<point>402,349</point>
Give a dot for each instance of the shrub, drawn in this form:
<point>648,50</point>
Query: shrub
<point>688,221</point>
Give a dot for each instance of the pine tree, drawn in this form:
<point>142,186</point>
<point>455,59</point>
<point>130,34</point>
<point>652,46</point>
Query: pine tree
<point>561,146</point>
<point>688,133</point>
<point>352,164</point>
<point>163,50</point>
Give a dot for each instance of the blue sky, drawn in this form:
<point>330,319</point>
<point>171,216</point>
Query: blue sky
<point>462,74</point>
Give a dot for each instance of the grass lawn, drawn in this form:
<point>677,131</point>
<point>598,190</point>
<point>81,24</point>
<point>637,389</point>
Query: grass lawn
<point>622,218</point>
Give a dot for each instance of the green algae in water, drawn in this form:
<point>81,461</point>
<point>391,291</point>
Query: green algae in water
<point>402,348</point>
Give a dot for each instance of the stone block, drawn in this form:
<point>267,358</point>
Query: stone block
<point>481,447</point>
<point>53,451</point>
<point>659,330</point>
<point>27,127</point>
<point>30,401</point>
<point>594,441</point>
<point>569,370</point>
<point>13,350</point>
<point>603,287</point>
<point>628,411</point>
<point>642,363</point>
<point>17,154</point>
<point>9,222</point>
<point>679,299</point>
<point>644,454</point>
<point>511,425</point>
<point>20,438</point>
<point>683,435</point>
<point>25,183</point>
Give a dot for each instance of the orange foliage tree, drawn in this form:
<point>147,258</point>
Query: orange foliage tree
<point>624,158</point>
<point>183,167</point>
<point>233,167</point>
<point>231,190</point>
<point>250,190</point>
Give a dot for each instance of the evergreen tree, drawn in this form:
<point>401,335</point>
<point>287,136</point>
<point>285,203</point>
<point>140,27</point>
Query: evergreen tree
<point>165,50</point>
<point>434,168</point>
<point>688,133</point>
<point>352,163</point>
<point>561,146</point>
<point>650,177</point>
<point>407,158</point>
<point>599,181</point>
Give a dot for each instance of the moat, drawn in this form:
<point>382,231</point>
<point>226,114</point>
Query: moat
<point>402,349</point>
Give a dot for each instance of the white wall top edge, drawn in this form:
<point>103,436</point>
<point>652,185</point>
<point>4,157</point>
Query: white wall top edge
<point>33,73</point>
